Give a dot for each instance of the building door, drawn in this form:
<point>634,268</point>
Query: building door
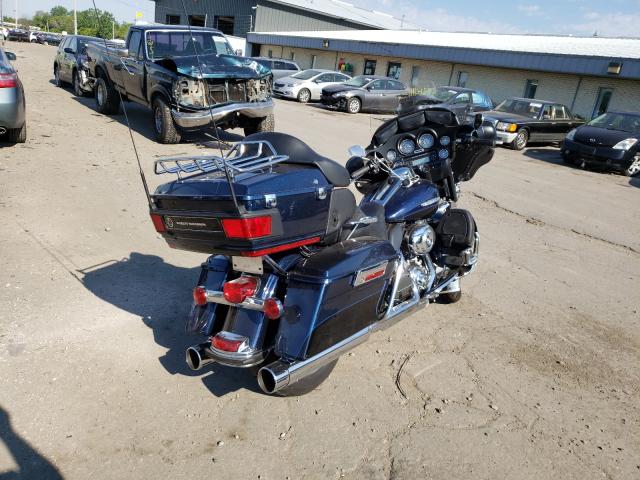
<point>530,89</point>
<point>394,69</point>
<point>602,102</point>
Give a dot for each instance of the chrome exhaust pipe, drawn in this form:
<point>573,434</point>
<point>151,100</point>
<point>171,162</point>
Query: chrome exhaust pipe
<point>197,357</point>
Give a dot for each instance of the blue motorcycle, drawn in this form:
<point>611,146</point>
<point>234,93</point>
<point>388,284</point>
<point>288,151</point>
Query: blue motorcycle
<point>299,273</point>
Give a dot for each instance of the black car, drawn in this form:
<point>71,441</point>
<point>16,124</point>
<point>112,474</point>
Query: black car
<point>49,38</point>
<point>68,65</point>
<point>18,35</point>
<point>611,140</point>
<point>365,92</point>
<point>520,121</point>
<point>464,102</point>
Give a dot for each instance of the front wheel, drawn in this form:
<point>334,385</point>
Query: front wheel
<point>77,85</point>
<point>163,125</point>
<point>259,125</point>
<point>521,140</point>
<point>634,169</point>
<point>107,99</point>
<point>354,105</point>
<point>304,95</point>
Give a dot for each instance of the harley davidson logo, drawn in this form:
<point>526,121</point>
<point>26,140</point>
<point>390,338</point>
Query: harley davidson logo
<point>168,221</point>
<point>192,223</point>
<point>592,140</point>
<point>370,274</point>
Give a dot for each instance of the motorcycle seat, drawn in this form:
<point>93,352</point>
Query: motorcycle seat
<point>300,153</point>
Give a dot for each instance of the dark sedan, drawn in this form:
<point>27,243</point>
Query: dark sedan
<point>519,121</point>
<point>464,102</point>
<point>68,66</point>
<point>611,140</point>
<point>49,38</point>
<point>365,92</point>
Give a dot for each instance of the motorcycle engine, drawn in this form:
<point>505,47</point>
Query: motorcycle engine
<point>419,239</point>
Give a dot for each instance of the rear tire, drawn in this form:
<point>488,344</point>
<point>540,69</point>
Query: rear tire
<point>452,297</point>
<point>163,125</point>
<point>306,385</point>
<point>259,125</point>
<point>56,76</point>
<point>304,95</point>
<point>521,140</point>
<point>17,135</point>
<point>77,88</point>
<point>354,105</point>
<point>107,99</point>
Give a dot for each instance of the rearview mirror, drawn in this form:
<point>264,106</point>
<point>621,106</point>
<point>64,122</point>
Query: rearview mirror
<point>357,151</point>
<point>69,50</point>
<point>238,52</point>
<point>11,56</point>
<point>478,121</point>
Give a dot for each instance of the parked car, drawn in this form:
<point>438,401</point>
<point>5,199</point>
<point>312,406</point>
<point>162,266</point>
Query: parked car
<point>4,32</point>
<point>365,92</point>
<point>520,121</point>
<point>13,124</point>
<point>611,140</point>
<point>49,38</point>
<point>18,35</point>
<point>307,85</point>
<point>69,64</point>
<point>464,102</point>
<point>160,70</point>
<point>278,66</point>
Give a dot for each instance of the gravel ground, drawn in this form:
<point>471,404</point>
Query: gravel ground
<point>534,374</point>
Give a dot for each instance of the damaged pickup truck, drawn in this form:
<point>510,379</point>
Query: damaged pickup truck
<point>159,69</point>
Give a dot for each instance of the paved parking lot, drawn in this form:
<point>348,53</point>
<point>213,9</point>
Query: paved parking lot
<point>534,374</point>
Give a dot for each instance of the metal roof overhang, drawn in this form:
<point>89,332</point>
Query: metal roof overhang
<point>546,62</point>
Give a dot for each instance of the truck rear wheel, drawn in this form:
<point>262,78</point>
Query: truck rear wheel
<point>107,99</point>
<point>163,125</point>
<point>258,125</point>
<point>17,135</point>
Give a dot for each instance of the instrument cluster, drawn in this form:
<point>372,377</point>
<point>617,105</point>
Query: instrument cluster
<point>417,148</point>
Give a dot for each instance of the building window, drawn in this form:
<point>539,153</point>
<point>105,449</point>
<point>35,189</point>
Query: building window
<point>369,67</point>
<point>313,62</point>
<point>415,76</point>
<point>530,89</point>
<point>173,20</point>
<point>602,102</point>
<point>224,24</point>
<point>197,20</point>
<point>394,69</point>
<point>270,54</point>
<point>462,79</point>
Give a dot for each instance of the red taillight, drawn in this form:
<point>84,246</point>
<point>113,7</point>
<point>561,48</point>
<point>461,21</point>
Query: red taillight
<point>227,343</point>
<point>272,308</point>
<point>158,223</point>
<point>281,248</point>
<point>237,291</point>
<point>8,80</point>
<point>200,295</point>
<point>247,228</point>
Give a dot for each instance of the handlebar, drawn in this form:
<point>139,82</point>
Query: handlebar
<point>361,171</point>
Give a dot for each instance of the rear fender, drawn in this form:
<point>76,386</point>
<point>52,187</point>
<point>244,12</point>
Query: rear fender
<point>203,319</point>
<point>329,296</point>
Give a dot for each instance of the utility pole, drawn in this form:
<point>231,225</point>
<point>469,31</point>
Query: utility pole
<point>16,14</point>
<point>75,17</point>
<point>1,23</point>
<point>113,29</point>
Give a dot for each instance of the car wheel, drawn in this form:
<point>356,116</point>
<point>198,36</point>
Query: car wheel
<point>304,95</point>
<point>522,137</point>
<point>634,169</point>
<point>17,135</point>
<point>77,86</point>
<point>354,105</point>
<point>56,76</point>
<point>265,124</point>
<point>107,99</point>
<point>163,125</point>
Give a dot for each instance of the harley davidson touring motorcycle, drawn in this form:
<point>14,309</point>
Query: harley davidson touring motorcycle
<point>298,272</point>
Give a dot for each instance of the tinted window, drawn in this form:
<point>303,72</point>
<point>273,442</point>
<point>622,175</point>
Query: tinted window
<point>378,85</point>
<point>63,44</point>
<point>327,77</point>
<point>462,98</point>
<point>618,121</point>
<point>394,85</point>
<point>73,44</point>
<point>520,107</point>
<point>480,99</point>
<point>341,78</point>
<point>183,43</point>
<point>134,41</point>
<point>265,63</point>
<point>546,112</point>
<point>560,113</point>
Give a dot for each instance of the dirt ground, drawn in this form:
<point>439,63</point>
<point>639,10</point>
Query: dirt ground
<point>534,374</point>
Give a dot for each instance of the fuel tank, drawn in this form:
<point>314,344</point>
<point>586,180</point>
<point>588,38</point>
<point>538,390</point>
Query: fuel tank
<point>406,204</point>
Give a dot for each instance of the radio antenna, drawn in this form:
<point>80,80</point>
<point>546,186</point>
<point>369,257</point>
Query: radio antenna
<point>213,120</point>
<point>126,116</point>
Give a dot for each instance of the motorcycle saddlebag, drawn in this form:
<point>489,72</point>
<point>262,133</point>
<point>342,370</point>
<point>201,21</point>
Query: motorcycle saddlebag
<point>334,294</point>
<point>455,235</point>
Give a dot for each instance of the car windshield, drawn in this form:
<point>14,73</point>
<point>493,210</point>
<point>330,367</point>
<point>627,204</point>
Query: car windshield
<point>618,121</point>
<point>520,107</point>
<point>359,81</point>
<point>306,74</point>
<point>183,44</point>
<point>444,94</point>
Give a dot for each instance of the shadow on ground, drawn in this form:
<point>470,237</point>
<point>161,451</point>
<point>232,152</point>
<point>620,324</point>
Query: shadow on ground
<point>635,182</point>
<point>546,154</point>
<point>161,293</point>
<point>31,464</point>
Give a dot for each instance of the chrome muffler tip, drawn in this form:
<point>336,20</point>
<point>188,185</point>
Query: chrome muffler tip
<point>196,356</point>
<point>273,377</point>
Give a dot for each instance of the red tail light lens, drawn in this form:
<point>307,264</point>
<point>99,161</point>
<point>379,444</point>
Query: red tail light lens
<point>247,228</point>
<point>272,308</point>
<point>200,296</point>
<point>237,291</point>
<point>158,223</point>
<point>227,342</point>
<point>280,248</point>
<point>8,80</point>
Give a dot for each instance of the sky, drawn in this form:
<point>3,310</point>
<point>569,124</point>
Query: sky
<point>574,17</point>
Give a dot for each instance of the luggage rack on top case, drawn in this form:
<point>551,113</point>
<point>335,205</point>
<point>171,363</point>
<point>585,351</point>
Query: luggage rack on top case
<point>249,156</point>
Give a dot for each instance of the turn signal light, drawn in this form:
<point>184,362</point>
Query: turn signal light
<point>8,80</point>
<point>247,228</point>
<point>238,290</point>
<point>200,296</point>
<point>158,223</point>
<point>272,308</point>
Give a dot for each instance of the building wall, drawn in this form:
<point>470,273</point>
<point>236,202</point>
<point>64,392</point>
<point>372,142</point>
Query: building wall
<point>498,83</point>
<point>239,9</point>
<point>273,17</point>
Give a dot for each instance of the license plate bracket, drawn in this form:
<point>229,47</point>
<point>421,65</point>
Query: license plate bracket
<point>248,265</point>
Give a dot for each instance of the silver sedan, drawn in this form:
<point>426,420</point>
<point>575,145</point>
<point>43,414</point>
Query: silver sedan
<point>307,85</point>
<point>13,125</point>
